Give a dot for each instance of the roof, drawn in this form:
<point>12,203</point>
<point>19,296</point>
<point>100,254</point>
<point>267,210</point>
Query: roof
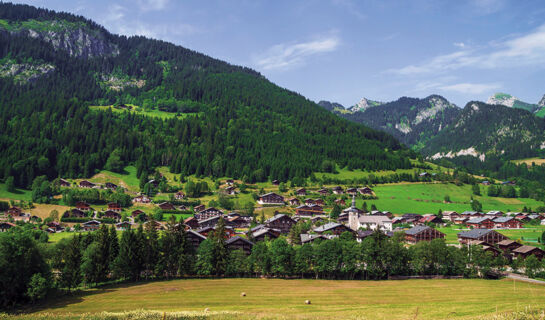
<point>205,229</point>
<point>506,242</point>
<point>305,237</point>
<point>503,219</point>
<point>475,233</point>
<point>259,226</point>
<point>327,226</point>
<point>270,194</point>
<point>416,230</point>
<point>525,249</point>
<point>364,233</point>
<point>209,219</point>
<point>478,220</point>
<point>429,218</point>
<point>374,219</point>
<point>236,238</point>
<point>276,217</point>
<point>91,222</point>
<point>196,234</point>
<point>262,231</point>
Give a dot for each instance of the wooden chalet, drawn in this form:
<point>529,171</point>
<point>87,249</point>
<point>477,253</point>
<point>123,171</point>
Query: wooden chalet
<point>111,186</point>
<point>493,214</point>
<point>113,206</point>
<point>199,208</point>
<point>194,238</point>
<point>486,235</point>
<point>507,222</point>
<point>485,183</point>
<point>430,219</point>
<point>265,233</point>
<point>238,222</point>
<point>154,183</point>
<point>460,220</point>
<point>208,213</point>
<point>136,213</point>
<point>333,228</point>
<point>5,226</point>
<point>192,223</point>
<point>77,213</point>
<point>294,202</point>
<point>167,206</point>
<point>86,184</point>
<point>230,191</point>
<point>230,182</point>
<point>352,191</point>
<point>492,249</point>
<point>301,192</point>
<point>210,222</point>
<point>323,192</point>
<point>239,243</point>
<point>471,214</point>
<point>280,222</point>
<point>83,206</point>
<point>125,225</point>
<point>55,226</point>
<point>340,202</point>
<point>179,195</point>
<point>508,245</point>
<point>319,202</point>
<point>110,214</point>
<point>410,217</point>
<point>154,224</point>
<point>422,233</point>
<point>450,215</point>
<point>276,182</point>
<point>365,191</point>
<point>338,190</point>
<point>141,199</point>
<point>92,225</point>
<point>480,223</point>
<point>309,211</point>
<point>271,198</point>
<point>14,212</point>
<point>64,183</point>
<point>309,201</point>
<point>522,217</point>
<point>524,252</point>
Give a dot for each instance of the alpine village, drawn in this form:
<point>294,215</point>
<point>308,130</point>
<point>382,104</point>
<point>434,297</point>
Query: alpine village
<point>143,180</point>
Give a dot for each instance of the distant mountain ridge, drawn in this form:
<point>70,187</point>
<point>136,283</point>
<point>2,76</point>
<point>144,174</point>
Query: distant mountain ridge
<point>514,102</point>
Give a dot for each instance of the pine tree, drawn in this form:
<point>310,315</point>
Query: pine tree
<point>221,253</point>
<point>114,246</point>
<point>71,273</point>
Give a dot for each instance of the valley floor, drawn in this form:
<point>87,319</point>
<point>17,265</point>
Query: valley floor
<point>285,299</point>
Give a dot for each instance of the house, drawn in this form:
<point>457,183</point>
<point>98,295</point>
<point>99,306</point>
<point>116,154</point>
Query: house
<point>271,198</point>
<point>210,222</point>
<point>230,191</point>
<point>77,213</point>
<point>280,222</point>
<point>352,191</point>
<point>471,214</point>
<point>111,186</point>
<point>5,226</point>
<point>333,228</point>
<point>192,223</point>
<point>371,222</point>
<point>208,213</point>
<point>323,192</point>
<point>64,183</point>
<point>362,234</point>
<point>83,206</point>
<point>110,214</point>
<point>486,235</point>
<point>154,183</point>
<point>365,191</point>
<point>153,224</point>
<point>340,202</point>
<point>494,213</point>
<point>230,182</point>
<point>495,251</point>
<point>194,238</point>
<point>141,199</point>
<point>91,225</point>
<point>136,213</point>
<point>522,217</point>
<point>125,225</point>
<point>199,208</point>
<point>113,206</point>
<point>422,233</point>
<point>535,217</point>
<point>338,190</point>
<point>507,222</point>
<point>319,202</point>
<point>343,218</point>
<point>309,201</point>
<point>265,233</point>
<point>167,206</point>
<point>411,217</point>
<point>179,195</point>
<point>206,231</point>
<point>15,212</point>
<point>276,182</point>
<point>382,213</point>
<point>480,223</point>
<point>86,184</point>
<point>294,202</point>
<point>460,220</point>
<point>508,245</point>
<point>309,238</point>
<point>55,226</point>
<point>424,174</point>
<point>301,192</point>
<point>239,243</point>
<point>450,215</point>
<point>430,219</point>
<point>524,252</point>
<point>311,210</point>
<point>485,182</point>
<point>238,222</point>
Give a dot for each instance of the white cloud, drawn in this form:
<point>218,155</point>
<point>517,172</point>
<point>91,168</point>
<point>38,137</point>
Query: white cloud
<point>526,50</point>
<point>471,88</point>
<point>285,56</point>
<point>152,5</point>
<point>459,44</point>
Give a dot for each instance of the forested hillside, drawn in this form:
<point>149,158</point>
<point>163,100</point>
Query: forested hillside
<point>233,121</point>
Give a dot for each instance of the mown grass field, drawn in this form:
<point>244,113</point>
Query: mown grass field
<point>529,161</point>
<point>527,235</point>
<point>429,198</point>
<point>285,299</point>
<point>19,194</point>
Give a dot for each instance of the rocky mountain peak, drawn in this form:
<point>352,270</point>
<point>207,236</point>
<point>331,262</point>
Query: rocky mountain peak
<point>502,99</point>
<point>364,104</point>
<point>541,102</point>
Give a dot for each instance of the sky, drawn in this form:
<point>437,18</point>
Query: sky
<point>343,50</point>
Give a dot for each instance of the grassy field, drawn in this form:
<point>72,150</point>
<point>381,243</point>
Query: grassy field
<point>138,110</point>
<point>529,161</point>
<point>528,235</point>
<point>285,299</point>
<point>127,179</point>
<point>429,198</point>
<point>19,194</point>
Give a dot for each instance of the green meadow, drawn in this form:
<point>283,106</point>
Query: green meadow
<point>140,111</point>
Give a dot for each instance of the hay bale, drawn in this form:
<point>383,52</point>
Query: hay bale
<point>243,294</point>
<point>307,301</point>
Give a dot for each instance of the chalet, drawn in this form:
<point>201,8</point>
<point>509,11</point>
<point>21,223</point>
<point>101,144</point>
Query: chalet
<point>64,183</point>
<point>522,217</point>
<point>311,210</point>
<point>141,199</point>
<point>411,217</point>
<point>422,233</point>
<point>460,220</point>
<point>508,245</point>
<point>301,192</point>
<point>486,235</point>
<point>199,208</point>
<point>450,215</point>
<point>167,206</point>
<point>15,212</point>
<point>492,249</point>
<point>179,195</point>
<point>83,206</point>
<point>125,225</point>
<point>210,222</point>
<point>154,183</point>
<point>113,206</point>
<point>471,214</point>
<point>136,213</point>
<point>309,238</point>
<point>323,192</point>
<point>111,186</point>
<point>424,174</point>
<point>430,219</point>
<point>55,226</point>
<point>372,222</point>
<point>485,182</point>
<point>338,190</point>
<point>271,198</point>
<point>319,202</point>
<point>340,202</point>
<point>365,191</point>
<point>524,252</point>
<point>230,182</point>
<point>275,182</point>
<point>230,191</point>
<point>5,226</point>
<point>343,218</point>
<point>507,222</point>
<point>535,217</point>
<point>333,228</point>
<point>362,234</point>
<point>77,213</point>
<point>154,224</point>
<point>110,214</point>
<point>480,223</point>
<point>208,213</point>
<point>382,213</point>
<point>237,222</point>
<point>345,211</point>
<point>90,225</point>
<point>317,219</point>
<point>239,243</point>
<point>494,214</point>
<point>194,238</point>
<point>281,222</point>
<point>86,184</point>
<point>352,191</point>
<point>510,183</point>
<point>309,201</point>
<point>294,202</point>
<point>265,233</point>
<point>191,222</point>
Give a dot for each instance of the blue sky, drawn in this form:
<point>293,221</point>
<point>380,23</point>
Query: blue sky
<point>342,50</point>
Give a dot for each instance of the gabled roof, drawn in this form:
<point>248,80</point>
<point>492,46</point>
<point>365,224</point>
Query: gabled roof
<point>263,231</point>
<point>478,220</point>
<point>209,219</point>
<point>373,219</point>
<point>91,222</point>
<point>416,230</point>
<point>196,234</point>
<point>475,233</point>
<point>503,219</point>
<point>327,226</point>
<point>525,249</point>
<point>276,217</point>
<point>270,194</point>
<point>259,226</point>
<point>506,242</point>
<point>237,238</point>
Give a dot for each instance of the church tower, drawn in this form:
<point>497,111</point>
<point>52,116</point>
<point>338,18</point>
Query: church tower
<point>353,215</point>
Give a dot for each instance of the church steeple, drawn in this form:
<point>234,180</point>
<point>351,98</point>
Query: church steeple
<point>353,202</point>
